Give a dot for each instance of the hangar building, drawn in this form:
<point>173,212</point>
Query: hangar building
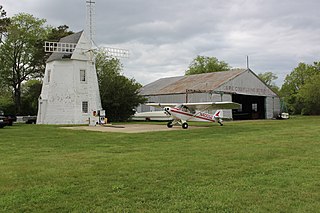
<point>257,100</point>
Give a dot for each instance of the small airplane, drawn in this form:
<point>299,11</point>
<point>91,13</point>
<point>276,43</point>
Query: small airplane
<point>184,112</point>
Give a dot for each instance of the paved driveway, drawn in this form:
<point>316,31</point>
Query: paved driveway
<point>130,128</point>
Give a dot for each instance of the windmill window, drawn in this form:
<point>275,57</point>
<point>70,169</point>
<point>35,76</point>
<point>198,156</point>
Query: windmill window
<point>83,75</point>
<point>84,106</point>
<point>49,76</point>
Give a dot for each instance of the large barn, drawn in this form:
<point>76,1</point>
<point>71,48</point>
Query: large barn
<point>257,100</point>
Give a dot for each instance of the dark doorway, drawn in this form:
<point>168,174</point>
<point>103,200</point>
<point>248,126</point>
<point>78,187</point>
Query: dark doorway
<point>252,107</point>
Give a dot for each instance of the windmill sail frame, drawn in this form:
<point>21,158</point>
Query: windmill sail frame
<point>59,47</point>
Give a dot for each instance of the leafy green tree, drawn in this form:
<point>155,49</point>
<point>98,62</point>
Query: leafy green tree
<point>309,94</point>
<point>119,95</point>
<point>53,34</point>
<point>6,101</point>
<point>30,93</point>
<point>4,22</point>
<point>268,78</point>
<point>204,64</point>
<point>57,33</point>
<point>17,54</point>
<point>300,75</point>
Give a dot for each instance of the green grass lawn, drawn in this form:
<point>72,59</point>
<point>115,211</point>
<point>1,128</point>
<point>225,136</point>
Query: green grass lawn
<point>249,166</point>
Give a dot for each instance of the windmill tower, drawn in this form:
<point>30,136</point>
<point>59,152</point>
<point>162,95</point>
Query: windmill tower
<point>70,91</point>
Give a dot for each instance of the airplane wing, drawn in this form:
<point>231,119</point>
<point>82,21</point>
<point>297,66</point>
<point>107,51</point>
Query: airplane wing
<point>162,105</point>
<point>200,106</point>
<point>213,105</point>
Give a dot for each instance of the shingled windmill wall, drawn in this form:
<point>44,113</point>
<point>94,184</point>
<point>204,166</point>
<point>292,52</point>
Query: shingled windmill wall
<point>70,91</point>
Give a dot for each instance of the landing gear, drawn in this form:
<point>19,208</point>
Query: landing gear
<point>219,122</point>
<point>185,126</point>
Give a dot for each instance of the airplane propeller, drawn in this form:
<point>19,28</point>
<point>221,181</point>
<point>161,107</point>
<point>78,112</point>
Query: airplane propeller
<point>167,110</point>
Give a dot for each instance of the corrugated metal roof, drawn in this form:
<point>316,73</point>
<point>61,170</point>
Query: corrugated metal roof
<point>156,86</point>
<point>74,38</point>
<point>179,85</point>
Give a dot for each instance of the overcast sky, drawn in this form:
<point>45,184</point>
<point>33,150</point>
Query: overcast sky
<point>164,36</point>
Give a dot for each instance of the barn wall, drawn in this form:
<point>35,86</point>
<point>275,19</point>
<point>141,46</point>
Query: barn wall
<point>181,98</point>
<point>272,107</point>
<point>247,84</point>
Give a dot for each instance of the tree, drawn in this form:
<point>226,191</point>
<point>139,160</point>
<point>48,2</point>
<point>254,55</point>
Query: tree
<point>300,75</point>
<point>204,64</point>
<point>268,78</point>
<point>309,94</point>
<point>119,95</point>
<point>30,93</point>
<point>53,34</point>
<point>4,22</point>
<point>6,101</point>
<point>17,54</point>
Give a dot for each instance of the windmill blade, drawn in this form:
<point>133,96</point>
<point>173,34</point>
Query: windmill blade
<point>59,47</point>
<point>116,52</point>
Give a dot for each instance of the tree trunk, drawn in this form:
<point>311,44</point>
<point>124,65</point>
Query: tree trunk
<point>17,99</point>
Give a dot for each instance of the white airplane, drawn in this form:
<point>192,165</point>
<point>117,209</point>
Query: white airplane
<point>184,112</point>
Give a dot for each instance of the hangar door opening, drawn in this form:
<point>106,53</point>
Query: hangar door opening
<point>252,107</point>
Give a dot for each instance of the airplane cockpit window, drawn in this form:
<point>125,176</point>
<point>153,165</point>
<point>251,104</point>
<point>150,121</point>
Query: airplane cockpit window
<point>185,108</point>
<point>192,111</point>
<point>179,106</point>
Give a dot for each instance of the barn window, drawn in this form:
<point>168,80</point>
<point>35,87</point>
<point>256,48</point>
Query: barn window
<point>84,106</point>
<point>82,75</point>
<point>255,107</point>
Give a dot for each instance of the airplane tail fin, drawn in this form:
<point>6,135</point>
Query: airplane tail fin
<point>218,115</point>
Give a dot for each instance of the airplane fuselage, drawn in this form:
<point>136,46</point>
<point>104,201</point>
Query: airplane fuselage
<point>188,116</point>
<point>184,112</point>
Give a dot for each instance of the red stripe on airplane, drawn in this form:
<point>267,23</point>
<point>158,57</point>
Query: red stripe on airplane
<point>191,115</point>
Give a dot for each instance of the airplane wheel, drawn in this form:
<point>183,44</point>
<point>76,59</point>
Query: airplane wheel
<point>185,126</point>
<point>169,124</point>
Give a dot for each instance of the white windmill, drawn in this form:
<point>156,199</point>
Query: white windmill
<point>70,91</point>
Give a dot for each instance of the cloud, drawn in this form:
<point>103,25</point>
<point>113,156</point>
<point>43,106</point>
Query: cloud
<point>165,36</point>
